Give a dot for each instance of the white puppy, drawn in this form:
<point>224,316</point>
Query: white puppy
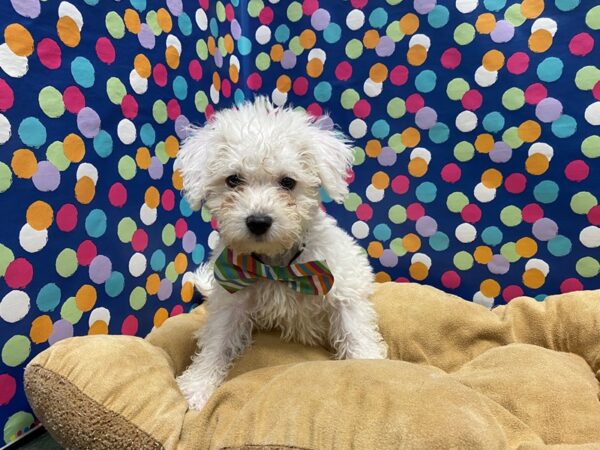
<point>258,169</point>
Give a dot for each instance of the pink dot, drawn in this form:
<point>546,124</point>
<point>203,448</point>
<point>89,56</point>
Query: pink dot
<point>315,110</point>
<point>229,12</point>
<point>451,58</point>
<point>471,213</point>
<point>309,6</point>
<point>129,107</point>
<point>577,170</point>
<point>450,279</point>
<point>399,75</point>
<point>511,291</point>
<point>7,96</point>
<point>180,227</point>
<point>8,388</point>
<point>472,100</point>
<point>105,50</point>
<point>451,173</point>
<point>515,183</point>
<point>49,53</point>
<point>593,215</point>
<point>139,240</point>
<point>300,86</point>
<point>343,71</point>
<point>364,212</point>
<point>581,44</point>
<point>203,4</point>
<point>130,326</point>
<point>596,91</point>
<point>19,273</point>
<point>532,213</point>
<point>195,70</point>
<point>167,200</point>
<point>73,99</point>
<point>415,211</point>
<point>214,224</point>
<point>117,195</point>
<point>86,252</point>
<point>350,176</point>
<point>159,73</point>
<point>226,88</point>
<point>66,217</point>
<point>535,93</point>
<point>362,109</point>
<point>414,102</point>
<point>177,309</point>
<point>266,15</point>
<point>400,184</point>
<point>402,280</point>
<point>570,285</point>
<point>518,63</point>
<point>173,109</point>
<point>209,111</point>
<point>254,81</point>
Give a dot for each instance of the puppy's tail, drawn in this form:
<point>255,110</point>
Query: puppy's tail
<point>204,280</point>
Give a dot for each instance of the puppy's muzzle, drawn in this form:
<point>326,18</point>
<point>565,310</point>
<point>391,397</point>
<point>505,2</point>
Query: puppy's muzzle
<point>259,224</point>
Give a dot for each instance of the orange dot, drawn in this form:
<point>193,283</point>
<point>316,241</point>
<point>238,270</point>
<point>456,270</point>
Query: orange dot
<point>284,83</point>
<point>74,148</point>
<point>143,158</point>
<point>533,278</point>
<point>378,73</point>
<point>41,329</point>
<point>171,146</point>
<point>164,20</point>
<point>152,284</point>
<point>177,180</point>
<point>380,180</point>
<point>234,74</point>
<point>229,44</point>
<point>373,148</point>
<point>314,68</point>
<point>152,197</point>
<point>485,23</point>
<point>18,39</point>
<point>382,277</point>
<point>409,24</point>
<point>39,215</point>
<point>308,39</point>
<point>160,316</point>
<point>86,297</point>
<point>410,137</point>
<point>529,131</point>
<point>371,39</point>
<point>181,263</point>
<point>98,327</point>
<point>416,55</point>
<point>418,271</point>
<point>411,242</point>
<point>490,288</point>
<point>491,178</point>
<point>212,46</point>
<point>68,32</point>
<point>85,190</point>
<point>375,249</point>
<point>526,247</point>
<point>483,254</point>
<point>132,21</point>
<point>532,8</point>
<point>216,79</point>
<point>187,292</point>
<point>172,57</point>
<point>142,66</point>
<point>277,52</point>
<point>537,164</point>
<point>484,143</point>
<point>23,163</point>
<point>540,41</point>
<point>493,60</point>
<point>417,167</point>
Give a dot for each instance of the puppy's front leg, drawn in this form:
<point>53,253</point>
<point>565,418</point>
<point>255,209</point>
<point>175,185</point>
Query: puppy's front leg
<point>224,337</point>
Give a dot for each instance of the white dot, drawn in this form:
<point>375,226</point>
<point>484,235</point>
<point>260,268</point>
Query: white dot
<point>138,84</point>
<point>371,88</point>
<point>126,131</point>
<point>357,128</point>
<point>590,236</point>
<point>538,264</point>
<point>173,41</point>
<point>14,306</point>
<point>87,170</point>
<point>422,258</point>
<point>213,239</point>
<point>69,10</point>
<point>201,19</point>
<point>97,314</point>
<point>465,233</point>
<point>214,94</point>
<point>543,148</point>
<point>137,264</point>
<point>420,39</point>
<point>482,300</point>
<point>263,34</point>
<point>360,229</point>
<point>234,61</point>
<point>373,194</point>
<point>317,53</point>
<point>279,98</point>
<point>545,24</point>
<point>483,193</point>
<point>592,113</point>
<point>355,19</point>
<point>148,215</point>
<point>4,129</point>
<point>466,121</point>
<point>422,153</point>
<point>32,240</point>
<point>466,6</point>
<point>484,77</point>
<point>14,65</point>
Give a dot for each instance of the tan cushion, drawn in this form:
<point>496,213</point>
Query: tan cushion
<point>522,376</point>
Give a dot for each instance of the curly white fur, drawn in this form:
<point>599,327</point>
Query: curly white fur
<point>262,144</point>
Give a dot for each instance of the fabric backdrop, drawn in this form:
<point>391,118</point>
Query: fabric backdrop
<point>476,126</point>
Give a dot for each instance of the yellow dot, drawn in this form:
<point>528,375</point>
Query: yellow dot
<point>132,21</point>
<point>410,137</point>
<point>373,148</point>
<point>382,277</point>
<point>409,23</point>
<point>187,292</point>
<point>85,190</point>
<point>490,288</point>
<point>411,242</point>
<point>181,263</point>
<point>529,131</point>
<point>533,278</point>
<point>532,8</point>
<point>314,68</point>
<point>537,164</point>
<point>485,23</point>
<point>86,297</point>
<point>484,143</point>
<point>143,158</point>
<point>152,197</point>
<point>493,60</point>
<point>41,329</point>
<point>152,284</point>
<point>74,148</point>
<point>418,271</point>
<point>277,52</point>
<point>417,167</point>
<point>39,215</point>
<point>164,20</point>
<point>160,316</point>
<point>142,65</point>
<point>491,178</point>
<point>308,39</point>
<point>284,83</point>
<point>172,57</point>
<point>18,39</point>
<point>68,32</point>
<point>98,327</point>
<point>371,39</point>
<point>171,146</point>
<point>24,163</point>
<point>416,55</point>
<point>380,180</point>
<point>540,41</point>
<point>375,249</point>
<point>378,73</point>
<point>483,254</point>
<point>526,247</point>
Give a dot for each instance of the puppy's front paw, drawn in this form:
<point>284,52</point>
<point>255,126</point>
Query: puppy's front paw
<point>195,389</point>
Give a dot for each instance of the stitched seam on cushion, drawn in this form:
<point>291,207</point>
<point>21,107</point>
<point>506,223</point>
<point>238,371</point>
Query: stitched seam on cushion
<point>268,446</point>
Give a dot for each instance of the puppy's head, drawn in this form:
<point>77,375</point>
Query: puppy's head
<point>258,170</point>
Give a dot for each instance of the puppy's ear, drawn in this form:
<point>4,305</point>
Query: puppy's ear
<point>333,157</point>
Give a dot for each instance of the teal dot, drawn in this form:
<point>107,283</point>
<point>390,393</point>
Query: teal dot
<point>180,87</point>
<point>560,246</point>
<point>282,33</point>
<point>332,33</point>
<point>425,81</point>
<point>158,260</point>
<point>426,192</point>
<point>184,23</point>
<point>439,241</point>
<point>493,122</point>
<point>198,254</point>
<point>492,235</point>
<point>567,5</point>
<point>322,91</point>
<point>95,223</point>
<point>103,144</point>
<point>83,72</point>
<point>378,18</point>
<point>184,208</point>
<point>48,297</point>
<point>239,97</point>
<point>213,25</point>
<point>494,5</point>
<point>438,17</point>
<point>380,129</point>
<point>565,126</point>
<point>325,198</point>
<point>115,284</point>
<point>546,191</point>
<point>244,45</point>
<point>439,133</point>
<point>32,132</point>
<point>140,5</point>
<point>550,69</point>
<point>147,134</point>
<point>382,232</point>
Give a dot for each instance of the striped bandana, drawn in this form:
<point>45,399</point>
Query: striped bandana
<point>234,272</point>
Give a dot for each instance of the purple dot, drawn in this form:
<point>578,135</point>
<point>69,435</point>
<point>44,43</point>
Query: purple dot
<point>146,37</point>
<point>189,241</point>
<point>424,6</point>
<point>288,61</point>
<point>218,58</point>
<point>498,265</point>
<point>100,269</point>
<point>236,30</point>
<point>175,6</point>
<point>165,290</point>
<point>501,152</point>
<point>545,229</point>
<point>27,8</point>
<point>326,123</point>
<point>88,122</point>
<point>426,226</point>
<point>47,177</point>
<point>62,329</point>
<point>387,157</point>
<point>548,110</point>
<point>181,126</point>
<point>320,19</point>
<point>156,168</point>
<point>503,32</point>
<point>388,258</point>
<point>385,47</point>
<point>426,118</point>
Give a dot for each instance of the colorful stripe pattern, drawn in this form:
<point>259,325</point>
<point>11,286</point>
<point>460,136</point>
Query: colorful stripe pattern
<point>234,271</point>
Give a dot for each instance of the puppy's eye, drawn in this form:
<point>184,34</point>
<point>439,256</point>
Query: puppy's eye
<point>233,181</point>
<point>287,183</point>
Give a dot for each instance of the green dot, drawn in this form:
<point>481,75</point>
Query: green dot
<point>295,46</point>
<point>16,350</point>
<point>70,312</point>
<point>66,262</point>
<point>592,18</point>
<point>51,102</point>
<point>201,101</point>
<point>263,61</point>
<point>511,216</point>
<point>168,235</point>
<point>396,108</point>
<point>6,257</point>
<point>159,111</point>
<point>352,201</point>
<point>5,177</point>
<point>221,46</point>
<point>127,167</point>
<point>463,260</point>
<point>514,15</point>
<point>294,11</point>
<point>114,25</point>
<point>587,267</point>
<point>137,298</point>
<point>393,31</point>
<point>456,88</point>
<point>397,214</point>
<point>509,251</point>
<point>354,48</point>
<point>171,273</point>
<point>56,155</point>
<point>16,423</point>
<point>161,152</point>
<point>397,246</point>
<point>582,202</point>
<point>254,7</point>
<point>590,146</point>
<point>464,33</point>
<point>152,21</point>
<point>457,201</point>
<point>587,77</point>
<point>202,49</point>
<point>116,90</point>
<point>205,214</point>
<point>395,143</point>
<point>348,98</point>
<point>511,138</point>
<point>464,151</point>
<point>513,99</point>
<point>358,155</point>
<point>220,10</point>
<point>125,229</point>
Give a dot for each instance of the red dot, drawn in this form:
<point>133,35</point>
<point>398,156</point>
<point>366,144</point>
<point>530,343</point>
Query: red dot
<point>451,58</point>
<point>362,109</point>
<point>203,4</point>
<point>266,15</point>
<point>415,211</point>
<point>195,70</point>
<point>167,200</point>
<point>139,240</point>
<point>310,6</point>
<point>229,12</point>
<point>254,81</point>
<point>129,107</point>
<point>350,176</point>
<point>399,75</point>
<point>105,50</point>
<point>596,91</point>
<point>209,111</point>
<point>226,88</point>
<point>214,224</point>
<point>581,44</point>
<point>535,93</point>
<point>472,100</point>
<point>402,280</point>
<point>66,217</point>
<point>532,213</point>
<point>180,228</point>
<point>7,96</point>
<point>577,170</point>
<point>571,285</point>
<point>593,215</point>
<point>129,326</point>
<point>177,309</point>
<point>400,184</point>
<point>451,173</point>
<point>343,71</point>
<point>8,388</point>
<point>315,110</point>
<point>19,273</point>
<point>300,86</point>
<point>117,195</point>
<point>73,99</point>
<point>49,53</point>
<point>515,183</point>
<point>173,109</point>
<point>86,252</point>
<point>518,63</point>
<point>414,102</point>
<point>471,213</point>
<point>159,73</point>
<point>450,279</point>
<point>364,212</point>
<point>511,291</point>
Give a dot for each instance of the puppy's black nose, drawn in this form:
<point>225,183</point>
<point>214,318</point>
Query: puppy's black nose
<point>258,225</point>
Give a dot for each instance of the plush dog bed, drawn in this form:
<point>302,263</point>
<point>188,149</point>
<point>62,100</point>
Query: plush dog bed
<point>522,376</point>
